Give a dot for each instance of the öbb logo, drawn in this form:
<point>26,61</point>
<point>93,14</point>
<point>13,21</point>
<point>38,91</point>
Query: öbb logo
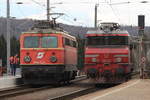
<point>40,55</point>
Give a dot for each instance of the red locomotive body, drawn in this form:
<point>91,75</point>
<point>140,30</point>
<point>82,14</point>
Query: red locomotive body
<point>107,54</point>
<point>47,56</point>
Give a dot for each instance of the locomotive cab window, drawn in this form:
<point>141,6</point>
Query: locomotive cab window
<point>49,42</point>
<point>67,42</point>
<point>107,40</point>
<point>118,40</point>
<point>31,42</point>
<point>94,40</point>
<point>70,43</point>
<point>74,44</point>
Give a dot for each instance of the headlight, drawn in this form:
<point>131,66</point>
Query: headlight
<point>27,59</point>
<point>53,59</point>
<point>118,59</point>
<point>94,60</point>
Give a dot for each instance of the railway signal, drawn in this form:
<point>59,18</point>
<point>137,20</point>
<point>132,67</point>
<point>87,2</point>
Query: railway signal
<point>143,59</point>
<point>141,26</point>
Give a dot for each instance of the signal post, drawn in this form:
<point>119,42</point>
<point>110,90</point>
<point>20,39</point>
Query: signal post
<point>142,58</point>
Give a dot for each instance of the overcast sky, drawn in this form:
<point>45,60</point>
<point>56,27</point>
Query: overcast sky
<point>122,11</point>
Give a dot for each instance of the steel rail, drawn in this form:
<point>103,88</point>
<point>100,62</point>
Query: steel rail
<point>20,90</point>
<point>74,94</point>
<point>71,95</point>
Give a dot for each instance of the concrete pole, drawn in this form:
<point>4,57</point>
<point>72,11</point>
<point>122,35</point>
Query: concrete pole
<point>8,36</point>
<point>48,10</point>
<point>95,17</point>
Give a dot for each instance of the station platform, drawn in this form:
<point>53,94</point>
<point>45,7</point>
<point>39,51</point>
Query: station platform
<point>136,89</point>
<point>9,81</point>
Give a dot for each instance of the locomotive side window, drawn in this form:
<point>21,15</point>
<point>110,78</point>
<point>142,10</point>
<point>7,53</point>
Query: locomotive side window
<point>49,42</point>
<point>67,42</point>
<point>70,43</point>
<point>74,44</point>
<point>31,42</point>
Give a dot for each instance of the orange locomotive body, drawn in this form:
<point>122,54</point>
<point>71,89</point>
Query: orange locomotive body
<point>47,56</point>
<point>107,54</point>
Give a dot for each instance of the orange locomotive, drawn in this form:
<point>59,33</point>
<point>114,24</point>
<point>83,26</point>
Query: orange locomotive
<point>47,55</point>
<point>107,54</point>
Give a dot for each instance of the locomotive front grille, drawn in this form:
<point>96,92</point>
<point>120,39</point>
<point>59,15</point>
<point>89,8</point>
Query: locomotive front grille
<point>46,69</point>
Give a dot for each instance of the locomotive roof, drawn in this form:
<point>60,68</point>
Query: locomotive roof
<point>108,28</point>
<point>107,33</point>
<point>47,27</point>
<point>48,31</point>
<point>37,30</point>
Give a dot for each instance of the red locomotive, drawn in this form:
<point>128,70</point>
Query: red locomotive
<point>107,54</point>
<point>47,55</point>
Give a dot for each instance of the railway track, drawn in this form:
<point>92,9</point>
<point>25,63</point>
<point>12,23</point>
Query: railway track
<point>24,89</point>
<point>80,92</point>
<point>135,75</point>
<point>20,91</point>
<point>68,92</point>
<point>5,90</point>
<point>71,95</point>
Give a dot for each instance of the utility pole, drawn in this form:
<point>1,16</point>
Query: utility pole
<point>96,5</point>
<point>48,10</point>
<point>8,36</point>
